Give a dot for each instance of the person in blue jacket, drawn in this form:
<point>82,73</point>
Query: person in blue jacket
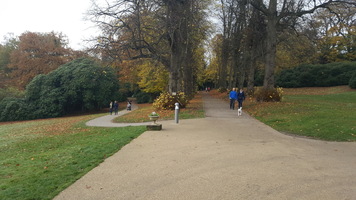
<point>240,97</point>
<point>232,97</point>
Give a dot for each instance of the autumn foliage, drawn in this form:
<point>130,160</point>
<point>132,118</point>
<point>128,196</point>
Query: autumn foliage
<point>37,53</point>
<point>167,101</point>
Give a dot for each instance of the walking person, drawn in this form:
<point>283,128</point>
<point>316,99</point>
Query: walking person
<point>240,97</point>
<point>116,108</point>
<point>232,97</point>
<point>111,107</point>
<point>128,107</point>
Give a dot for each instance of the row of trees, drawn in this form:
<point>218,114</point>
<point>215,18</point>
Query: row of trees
<point>272,35</point>
<point>154,37</point>
<point>158,45</point>
<point>146,40</point>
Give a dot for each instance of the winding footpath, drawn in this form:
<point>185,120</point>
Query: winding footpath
<point>106,121</point>
<point>222,156</point>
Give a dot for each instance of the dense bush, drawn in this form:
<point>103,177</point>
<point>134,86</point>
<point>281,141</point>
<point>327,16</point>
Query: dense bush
<point>331,74</point>
<point>352,82</point>
<point>81,85</point>
<point>125,92</point>
<point>10,92</point>
<point>166,101</point>
<point>268,95</point>
<point>13,109</point>
<point>143,97</point>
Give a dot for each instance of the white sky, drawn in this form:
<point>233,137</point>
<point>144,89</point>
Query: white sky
<point>66,16</point>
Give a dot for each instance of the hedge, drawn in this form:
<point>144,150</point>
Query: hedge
<point>307,75</point>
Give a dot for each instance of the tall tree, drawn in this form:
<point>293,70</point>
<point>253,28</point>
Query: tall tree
<point>160,30</point>
<point>5,52</point>
<point>35,54</point>
<point>285,13</point>
<point>255,44</point>
<point>337,30</point>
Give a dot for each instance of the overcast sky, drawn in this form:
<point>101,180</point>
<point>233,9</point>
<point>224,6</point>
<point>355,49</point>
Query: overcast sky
<point>66,16</point>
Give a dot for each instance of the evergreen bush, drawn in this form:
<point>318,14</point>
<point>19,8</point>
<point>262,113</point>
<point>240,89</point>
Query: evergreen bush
<point>307,75</point>
<point>81,85</point>
<point>142,97</point>
<point>352,82</point>
<point>13,109</point>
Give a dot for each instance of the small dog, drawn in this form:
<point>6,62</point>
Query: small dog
<point>239,111</point>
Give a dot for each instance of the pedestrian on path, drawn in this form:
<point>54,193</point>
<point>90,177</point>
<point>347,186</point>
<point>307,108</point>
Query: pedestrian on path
<point>232,97</point>
<point>116,107</point>
<point>111,107</point>
<point>240,97</point>
<point>128,107</point>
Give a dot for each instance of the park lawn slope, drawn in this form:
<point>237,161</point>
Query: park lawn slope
<point>330,117</point>
<point>41,158</point>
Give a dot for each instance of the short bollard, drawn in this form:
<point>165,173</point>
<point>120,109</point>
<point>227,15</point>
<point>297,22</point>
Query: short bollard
<point>176,116</point>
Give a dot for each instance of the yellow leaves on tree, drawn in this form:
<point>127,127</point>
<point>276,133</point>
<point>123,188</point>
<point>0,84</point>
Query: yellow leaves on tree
<point>153,77</point>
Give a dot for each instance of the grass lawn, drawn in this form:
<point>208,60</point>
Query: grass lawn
<point>322,113</point>
<point>40,158</point>
<point>193,110</point>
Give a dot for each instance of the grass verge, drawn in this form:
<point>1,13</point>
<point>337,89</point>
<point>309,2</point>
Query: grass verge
<point>325,113</point>
<point>41,158</point>
<point>193,110</point>
<point>322,113</point>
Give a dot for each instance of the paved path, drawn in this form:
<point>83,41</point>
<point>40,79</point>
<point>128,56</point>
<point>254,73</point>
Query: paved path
<point>221,157</point>
<point>106,121</point>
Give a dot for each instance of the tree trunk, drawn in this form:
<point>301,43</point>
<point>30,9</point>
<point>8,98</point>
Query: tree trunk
<point>268,81</point>
<point>174,23</point>
<point>224,63</point>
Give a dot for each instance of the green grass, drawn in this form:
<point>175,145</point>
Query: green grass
<point>329,117</point>
<point>41,158</point>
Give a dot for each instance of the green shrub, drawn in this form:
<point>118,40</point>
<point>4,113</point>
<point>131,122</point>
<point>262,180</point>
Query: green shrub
<point>352,82</point>
<point>307,75</point>
<point>268,95</point>
<point>11,92</point>
<point>81,85</point>
<point>142,97</point>
<point>13,109</point>
<point>166,101</point>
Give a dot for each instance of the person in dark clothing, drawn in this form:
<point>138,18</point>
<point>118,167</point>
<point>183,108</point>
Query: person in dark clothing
<point>240,97</point>
<point>116,107</point>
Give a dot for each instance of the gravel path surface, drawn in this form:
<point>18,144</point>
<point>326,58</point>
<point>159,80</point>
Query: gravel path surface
<point>222,156</point>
